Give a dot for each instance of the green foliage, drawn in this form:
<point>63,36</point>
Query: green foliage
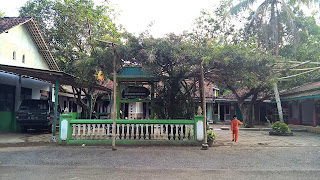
<point>2,14</point>
<point>171,60</point>
<point>280,127</point>
<point>211,135</point>
<point>71,27</point>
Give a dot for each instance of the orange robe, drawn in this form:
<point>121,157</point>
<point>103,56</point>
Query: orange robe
<point>235,128</point>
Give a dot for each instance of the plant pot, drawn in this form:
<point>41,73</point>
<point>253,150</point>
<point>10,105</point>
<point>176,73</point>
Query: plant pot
<point>210,143</point>
<point>274,133</point>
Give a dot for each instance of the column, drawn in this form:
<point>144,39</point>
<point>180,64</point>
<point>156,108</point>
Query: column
<point>17,94</point>
<point>55,108</point>
<point>219,119</point>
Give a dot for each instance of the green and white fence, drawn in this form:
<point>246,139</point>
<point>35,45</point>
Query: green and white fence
<point>100,131</point>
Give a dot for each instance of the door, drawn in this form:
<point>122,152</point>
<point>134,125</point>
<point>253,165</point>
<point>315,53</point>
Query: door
<point>222,112</point>
<point>126,110</point>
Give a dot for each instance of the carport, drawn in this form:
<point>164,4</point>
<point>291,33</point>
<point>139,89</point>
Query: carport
<point>52,76</point>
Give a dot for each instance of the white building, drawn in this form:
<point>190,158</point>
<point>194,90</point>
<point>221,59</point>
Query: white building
<point>24,50</point>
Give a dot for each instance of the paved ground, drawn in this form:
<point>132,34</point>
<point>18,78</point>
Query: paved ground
<point>255,156</point>
<point>247,137</point>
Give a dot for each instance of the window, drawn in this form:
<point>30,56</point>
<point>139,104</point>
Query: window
<point>23,59</point>
<point>14,55</point>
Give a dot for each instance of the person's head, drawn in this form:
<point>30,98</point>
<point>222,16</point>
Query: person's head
<point>234,117</point>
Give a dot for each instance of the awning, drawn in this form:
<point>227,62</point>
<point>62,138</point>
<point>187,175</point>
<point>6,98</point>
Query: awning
<point>48,75</point>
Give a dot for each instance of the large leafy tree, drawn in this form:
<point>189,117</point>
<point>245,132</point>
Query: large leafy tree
<point>272,21</point>
<point>243,70</point>
<point>71,27</point>
<point>172,60</point>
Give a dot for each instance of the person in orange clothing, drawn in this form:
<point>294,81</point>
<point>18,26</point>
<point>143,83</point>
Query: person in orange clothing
<point>235,128</point>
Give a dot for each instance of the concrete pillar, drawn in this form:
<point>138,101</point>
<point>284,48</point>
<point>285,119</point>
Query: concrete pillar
<point>17,94</point>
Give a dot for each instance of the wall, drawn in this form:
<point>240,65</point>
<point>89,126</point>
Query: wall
<point>294,113</point>
<point>18,39</point>
<point>307,112</point>
<point>8,118</point>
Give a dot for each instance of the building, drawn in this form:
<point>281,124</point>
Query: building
<point>22,45</point>
<point>303,104</point>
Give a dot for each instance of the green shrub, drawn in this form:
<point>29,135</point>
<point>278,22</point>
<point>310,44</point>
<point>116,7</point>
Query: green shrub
<point>280,127</point>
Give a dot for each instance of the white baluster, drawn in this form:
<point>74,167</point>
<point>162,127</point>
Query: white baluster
<point>93,131</point>
<point>89,130</point>
<point>128,131</point>
<point>108,130</point>
<point>141,133</point>
<point>151,131</point>
<point>191,132</point>
<point>122,131</point>
<point>181,132</point>
<point>103,131</point>
<point>98,126</point>
<point>137,131</point>
<point>155,131</point>
<point>147,131</point>
<point>73,130</point>
<point>161,131</point>
<point>167,131</point>
<point>118,131</point>
<point>84,131</point>
<point>79,128</point>
<point>171,133</point>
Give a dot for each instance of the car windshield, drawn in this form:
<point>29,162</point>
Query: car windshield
<point>34,105</point>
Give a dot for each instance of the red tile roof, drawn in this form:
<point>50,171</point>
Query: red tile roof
<point>7,23</point>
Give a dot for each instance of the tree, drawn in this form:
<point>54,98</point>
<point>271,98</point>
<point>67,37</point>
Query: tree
<point>2,14</point>
<point>271,21</point>
<point>306,50</point>
<point>243,70</point>
<point>172,60</point>
<point>71,27</point>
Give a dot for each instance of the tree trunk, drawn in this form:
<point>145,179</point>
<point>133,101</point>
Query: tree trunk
<point>246,114</point>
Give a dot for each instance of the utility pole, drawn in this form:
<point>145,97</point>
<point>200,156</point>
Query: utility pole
<point>114,114</point>
<point>204,109</point>
<point>114,117</point>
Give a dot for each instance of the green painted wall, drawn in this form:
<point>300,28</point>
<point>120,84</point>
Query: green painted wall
<point>8,121</point>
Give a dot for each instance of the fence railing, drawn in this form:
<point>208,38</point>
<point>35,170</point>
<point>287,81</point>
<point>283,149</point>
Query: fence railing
<point>98,130</point>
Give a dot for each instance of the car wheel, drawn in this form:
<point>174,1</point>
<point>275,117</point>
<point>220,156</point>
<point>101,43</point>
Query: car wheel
<point>23,129</point>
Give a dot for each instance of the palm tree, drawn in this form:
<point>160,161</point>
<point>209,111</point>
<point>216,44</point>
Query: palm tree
<point>271,19</point>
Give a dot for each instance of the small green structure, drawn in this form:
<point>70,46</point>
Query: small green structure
<point>135,94</point>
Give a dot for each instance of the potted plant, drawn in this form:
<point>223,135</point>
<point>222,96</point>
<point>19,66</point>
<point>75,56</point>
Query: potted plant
<point>211,136</point>
<point>280,129</point>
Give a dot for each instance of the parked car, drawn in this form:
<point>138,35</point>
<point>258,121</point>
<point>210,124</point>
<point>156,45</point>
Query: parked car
<point>36,114</point>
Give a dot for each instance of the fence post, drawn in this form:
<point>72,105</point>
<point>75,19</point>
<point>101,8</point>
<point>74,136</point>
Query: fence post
<point>66,117</point>
<point>198,128</point>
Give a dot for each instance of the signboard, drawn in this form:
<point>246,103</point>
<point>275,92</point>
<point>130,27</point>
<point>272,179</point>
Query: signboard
<point>135,92</point>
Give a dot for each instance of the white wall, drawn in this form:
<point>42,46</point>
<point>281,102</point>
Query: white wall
<point>18,39</point>
<point>35,85</point>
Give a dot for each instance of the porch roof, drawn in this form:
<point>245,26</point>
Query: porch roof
<point>47,75</point>
<point>134,74</point>
<point>309,90</point>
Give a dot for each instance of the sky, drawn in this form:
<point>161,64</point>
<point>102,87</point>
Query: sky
<point>135,15</point>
